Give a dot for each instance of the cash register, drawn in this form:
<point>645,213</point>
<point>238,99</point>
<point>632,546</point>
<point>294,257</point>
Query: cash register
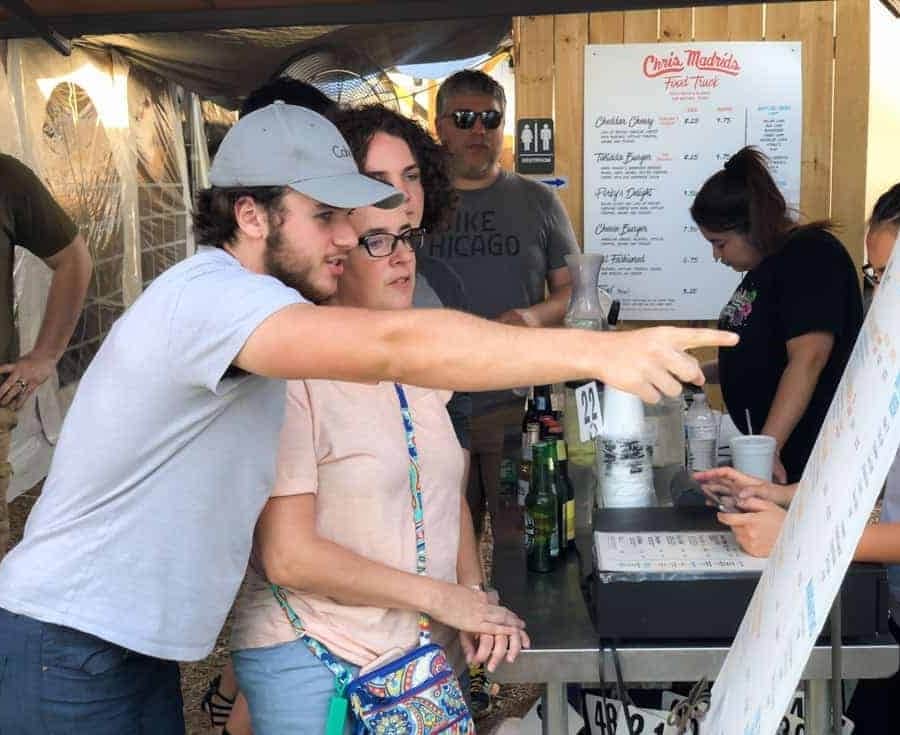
<point>635,605</point>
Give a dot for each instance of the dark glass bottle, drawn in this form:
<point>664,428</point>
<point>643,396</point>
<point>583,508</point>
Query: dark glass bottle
<point>541,537</point>
<point>567,495</point>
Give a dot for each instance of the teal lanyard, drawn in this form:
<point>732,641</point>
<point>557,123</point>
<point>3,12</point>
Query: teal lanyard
<point>337,709</point>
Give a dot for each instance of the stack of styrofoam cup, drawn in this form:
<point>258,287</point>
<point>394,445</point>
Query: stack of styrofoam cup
<point>624,453</point>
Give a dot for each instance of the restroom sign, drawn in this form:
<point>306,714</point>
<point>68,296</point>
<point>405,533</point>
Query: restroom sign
<point>535,145</point>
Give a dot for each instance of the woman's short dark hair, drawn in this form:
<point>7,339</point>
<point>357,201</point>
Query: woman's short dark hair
<point>887,209</point>
<point>214,221</point>
<point>358,126</point>
<point>744,197</point>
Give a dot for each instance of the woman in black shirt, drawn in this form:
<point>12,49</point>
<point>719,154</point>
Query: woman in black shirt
<point>798,309</point>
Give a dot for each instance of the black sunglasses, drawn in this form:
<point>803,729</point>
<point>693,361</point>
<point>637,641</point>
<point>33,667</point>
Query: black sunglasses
<point>871,274</point>
<point>465,119</point>
<point>382,244</point>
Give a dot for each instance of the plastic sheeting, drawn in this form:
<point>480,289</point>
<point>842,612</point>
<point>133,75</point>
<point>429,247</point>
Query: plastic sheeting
<point>214,64</point>
<point>107,141</point>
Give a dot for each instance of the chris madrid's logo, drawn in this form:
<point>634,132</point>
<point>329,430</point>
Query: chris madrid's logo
<point>338,151</point>
<point>675,63</point>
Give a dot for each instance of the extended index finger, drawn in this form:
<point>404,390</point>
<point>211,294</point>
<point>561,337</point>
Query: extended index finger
<point>696,337</point>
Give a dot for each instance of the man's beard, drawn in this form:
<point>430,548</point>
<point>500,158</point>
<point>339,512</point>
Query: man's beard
<point>292,273</point>
<point>467,169</point>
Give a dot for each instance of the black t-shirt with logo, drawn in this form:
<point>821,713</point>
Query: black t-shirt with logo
<point>810,285</point>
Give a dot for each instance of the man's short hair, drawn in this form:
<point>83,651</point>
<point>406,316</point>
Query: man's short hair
<point>292,92</point>
<point>213,216</point>
<point>469,81</point>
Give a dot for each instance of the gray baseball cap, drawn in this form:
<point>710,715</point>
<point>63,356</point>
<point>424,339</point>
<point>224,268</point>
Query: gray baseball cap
<point>287,145</point>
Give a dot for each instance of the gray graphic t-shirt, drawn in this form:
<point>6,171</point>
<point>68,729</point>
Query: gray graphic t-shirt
<point>503,242</point>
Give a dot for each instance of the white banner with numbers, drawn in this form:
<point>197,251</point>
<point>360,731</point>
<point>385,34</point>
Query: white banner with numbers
<point>659,120</point>
<point>606,716</point>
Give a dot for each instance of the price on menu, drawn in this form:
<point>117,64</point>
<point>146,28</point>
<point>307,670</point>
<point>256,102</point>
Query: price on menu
<point>690,228</point>
<point>690,259</point>
<point>690,192</point>
<point>691,156</point>
<point>723,156</point>
<point>724,120</point>
<point>692,120</point>
<point>689,291</point>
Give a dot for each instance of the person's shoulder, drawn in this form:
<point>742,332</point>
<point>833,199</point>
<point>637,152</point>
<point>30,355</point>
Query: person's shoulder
<point>15,176</point>
<point>218,272</point>
<point>814,243</point>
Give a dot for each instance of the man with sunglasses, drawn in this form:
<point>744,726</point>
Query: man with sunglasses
<point>507,241</point>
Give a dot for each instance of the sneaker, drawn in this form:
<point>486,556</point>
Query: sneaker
<point>479,694</point>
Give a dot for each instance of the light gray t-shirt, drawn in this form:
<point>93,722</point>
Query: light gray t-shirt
<point>166,458</point>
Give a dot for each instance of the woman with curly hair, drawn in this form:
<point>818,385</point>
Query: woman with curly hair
<point>337,535</point>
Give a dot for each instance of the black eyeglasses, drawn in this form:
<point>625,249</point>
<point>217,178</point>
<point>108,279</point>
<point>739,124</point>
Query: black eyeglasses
<point>382,244</point>
<point>465,119</point>
<point>871,274</point>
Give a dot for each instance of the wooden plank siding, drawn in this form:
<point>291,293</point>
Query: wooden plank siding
<point>571,38</point>
<point>835,95</point>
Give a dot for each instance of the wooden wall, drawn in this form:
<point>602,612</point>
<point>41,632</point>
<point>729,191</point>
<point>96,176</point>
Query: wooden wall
<point>549,53</point>
<point>550,82</point>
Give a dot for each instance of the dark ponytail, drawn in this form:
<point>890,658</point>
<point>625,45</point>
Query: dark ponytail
<point>887,209</point>
<point>743,197</point>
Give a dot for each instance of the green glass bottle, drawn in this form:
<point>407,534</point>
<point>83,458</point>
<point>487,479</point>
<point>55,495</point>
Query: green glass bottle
<point>541,535</point>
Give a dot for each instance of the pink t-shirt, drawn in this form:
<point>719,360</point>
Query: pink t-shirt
<point>346,443</point>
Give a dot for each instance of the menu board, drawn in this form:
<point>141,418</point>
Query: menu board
<point>848,466</point>
<point>660,119</point>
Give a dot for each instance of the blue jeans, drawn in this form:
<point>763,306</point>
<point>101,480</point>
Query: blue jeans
<point>287,689</point>
<point>59,681</point>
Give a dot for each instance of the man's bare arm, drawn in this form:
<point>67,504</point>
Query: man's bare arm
<point>439,348</point>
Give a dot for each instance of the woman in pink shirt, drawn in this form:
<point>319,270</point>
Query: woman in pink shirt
<point>337,533</point>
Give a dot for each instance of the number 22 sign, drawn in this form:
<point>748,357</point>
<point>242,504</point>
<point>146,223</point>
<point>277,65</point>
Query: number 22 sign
<point>590,419</point>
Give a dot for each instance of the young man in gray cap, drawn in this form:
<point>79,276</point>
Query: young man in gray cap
<point>135,550</point>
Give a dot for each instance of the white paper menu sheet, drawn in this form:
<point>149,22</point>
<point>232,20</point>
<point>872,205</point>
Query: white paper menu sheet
<point>694,552</point>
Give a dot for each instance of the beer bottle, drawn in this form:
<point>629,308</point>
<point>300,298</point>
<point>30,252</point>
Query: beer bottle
<point>541,513</point>
<point>559,492</point>
<point>567,494</point>
<point>542,401</point>
<point>524,477</point>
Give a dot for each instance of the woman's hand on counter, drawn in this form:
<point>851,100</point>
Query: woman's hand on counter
<point>492,650</point>
<point>757,527</point>
<point>472,611</point>
<point>728,481</point>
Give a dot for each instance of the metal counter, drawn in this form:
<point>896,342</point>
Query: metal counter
<point>565,646</point>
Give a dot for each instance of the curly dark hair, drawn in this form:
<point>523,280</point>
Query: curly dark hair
<point>359,125</point>
<point>214,221</point>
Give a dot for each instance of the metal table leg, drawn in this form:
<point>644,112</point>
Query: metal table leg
<point>818,707</point>
<point>554,710</point>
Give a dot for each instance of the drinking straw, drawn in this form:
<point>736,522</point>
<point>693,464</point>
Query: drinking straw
<point>749,424</point>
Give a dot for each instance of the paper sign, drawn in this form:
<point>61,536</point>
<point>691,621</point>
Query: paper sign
<point>590,418</point>
<point>844,475</point>
<point>606,716</point>
<point>659,120</point>
<point>697,552</point>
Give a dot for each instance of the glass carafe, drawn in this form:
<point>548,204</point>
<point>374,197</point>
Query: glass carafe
<point>585,310</point>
